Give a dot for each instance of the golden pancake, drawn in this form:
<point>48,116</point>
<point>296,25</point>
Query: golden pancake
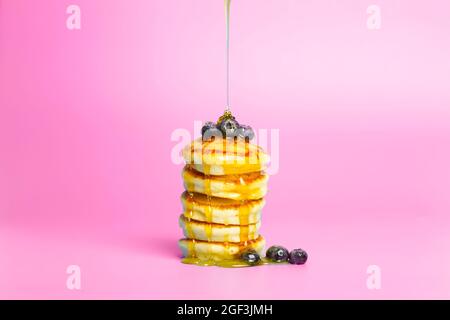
<point>200,207</point>
<point>225,157</point>
<point>249,186</point>
<point>198,230</point>
<point>218,251</point>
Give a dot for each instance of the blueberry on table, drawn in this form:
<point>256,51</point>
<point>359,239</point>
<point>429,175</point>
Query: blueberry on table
<point>277,254</point>
<point>251,257</point>
<point>298,256</point>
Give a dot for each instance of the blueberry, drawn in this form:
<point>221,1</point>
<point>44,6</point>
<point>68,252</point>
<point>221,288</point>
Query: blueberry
<point>208,125</point>
<point>251,257</point>
<point>298,256</point>
<point>229,127</point>
<point>277,254</point>
<point>210,130</point>
<point>246,132</point>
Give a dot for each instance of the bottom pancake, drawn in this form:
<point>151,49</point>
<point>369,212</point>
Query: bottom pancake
<point>217,251</point>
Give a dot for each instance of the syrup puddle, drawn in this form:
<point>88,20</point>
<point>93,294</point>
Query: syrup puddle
<point>235,263</point>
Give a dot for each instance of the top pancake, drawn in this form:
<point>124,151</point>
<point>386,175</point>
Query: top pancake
<point>225,156</point>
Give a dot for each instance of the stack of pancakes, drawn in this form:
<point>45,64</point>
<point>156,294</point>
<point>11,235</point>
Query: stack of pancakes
<point>225,187</point>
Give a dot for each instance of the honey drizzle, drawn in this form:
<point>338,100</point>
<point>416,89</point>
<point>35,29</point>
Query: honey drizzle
<point>244,212</point>
<point>208,231</point>
<point>243,221</point>
<point>247,152</point>
<point>207,190</point>
<point>191,160</point>
<point>227,26</point>
<point>191,249</point>
<point>190,186</point>
<point>190,233</point>
<point>190,205</point>
<point>208,210</point>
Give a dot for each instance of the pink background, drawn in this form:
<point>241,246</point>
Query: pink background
<point>86,116</point>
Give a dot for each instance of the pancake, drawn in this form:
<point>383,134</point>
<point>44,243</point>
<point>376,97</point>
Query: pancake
<point>225,157</point>
<point>199,207</point>
<point>248,186</point>
<point>218,251</point>
<point>198,230</point>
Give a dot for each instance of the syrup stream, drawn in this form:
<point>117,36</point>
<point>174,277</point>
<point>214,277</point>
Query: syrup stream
<point>227,26</point>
